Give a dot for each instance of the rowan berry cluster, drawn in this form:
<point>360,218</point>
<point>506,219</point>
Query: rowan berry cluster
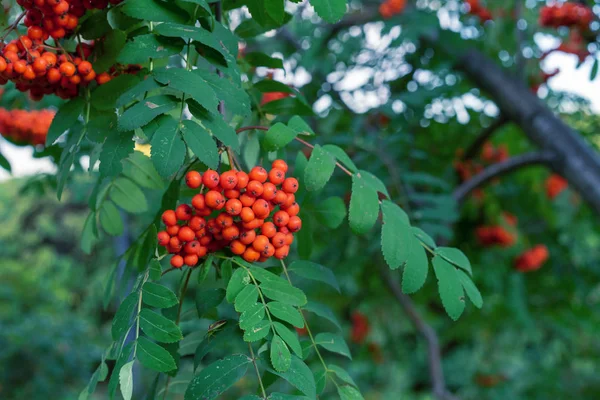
<point>254,215</point>
<point>475,8</point>
<point>555,184</point>
<point>360,327</point>
<point>27,127</point>
<point>498,235</point>
<point>532,259</point>
<point>566,14</point>
<point>489,155</point>
<point>389,8</point>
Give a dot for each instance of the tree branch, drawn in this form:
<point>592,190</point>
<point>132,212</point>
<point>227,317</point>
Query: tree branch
<point>483,137</point>
<point>436,372</point>
<point>501,168</point>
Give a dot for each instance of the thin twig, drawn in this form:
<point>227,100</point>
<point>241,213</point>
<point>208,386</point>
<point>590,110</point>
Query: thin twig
<point>483,137</point>
<point>501,168</point>
<point>13,26</point>
<point>260,382</point>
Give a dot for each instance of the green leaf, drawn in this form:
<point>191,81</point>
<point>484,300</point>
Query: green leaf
<point>364,206</point>
<point>137,92</point>
<point>146,47</point>
<point>190,343</point>
<point>470,289</point>
<point>128,196</point>
<point>289,337</point>
<point>88,234</point>
<point>201,143</point>
<point>208,299</point>
<point>449,286</point>
<point>4,163</point>
<point>314,271</point>
<point>168,148</point>
<point>330,10</point>
<point>154,10</point>
<point>158,327</point>
<point>374,182</point>
<point>334,343</point>
<point>275,10</point>
<point>263,274</point>
<point>111,219</point>
<point>123,316</point>
<point>252,316</point>
<point>300,126</point>
<point>286,313</point>
<point>126,380</point>
<point>416,268</point>
<point>226,336</point>
<point>189,83</point>
<point>257,332</point>
<point>158,296</point>
<point>281,358</point>
<point>594,70</point>
<point>238,281</point>
<point>116,148</point>
<point>284,292</point>
<point>396,235</point>
<point>322,311</point>
<point>110,48</point>
<point>331,212</point>
<point>140,169</point>
<point>155,270</point>
<point>64,119</point>
<point>423,237</point>
<point>154,356</point>
<point>101,125</point>
<point>319,169</point>
<point>341,374</point>
<point>456,257</point>
<point>201,3</point>
<point>237,101</point>
<point>246,298</point>
<point>270,85</point>
<point>215,125</point>
<point>300,376</point>
<point>278,136</point>
<point>145,111</point>
<point>104,97</point>
<point>95,26</point>
<point>206,266</point>
<point>349,393</point>
<point>219,376</point>
<point>283,396</point>
<point>341,156</point>
<point>258,59</point>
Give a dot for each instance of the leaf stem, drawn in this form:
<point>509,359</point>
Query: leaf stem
<point>262,387</point>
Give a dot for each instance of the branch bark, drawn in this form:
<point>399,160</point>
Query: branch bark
<point>483,137</point>
<point>436,372</point>
<point>501,168</point>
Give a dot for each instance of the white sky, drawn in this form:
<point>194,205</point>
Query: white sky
<point>570,79</point>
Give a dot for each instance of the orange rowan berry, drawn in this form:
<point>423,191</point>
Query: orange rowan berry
<point>169,217</point>
<point>247,237</point>
<point>40,65</point>
<point>205,212</point>
<point>214,199</point>
<point>50,58</point>
<point>229,180</point>
<point>290,185</point>
<point>210,179</point>
<point>200,233</point>
<point>280,197</point>
<point>231,232</point>
<point>289,238</point>
<point>251,255</point>
<point>261,208</point>
<point>19,66</point>
<point>233,207</point>
<point>202,250</point>
<point>198,201</point>
<point>224,220</point>
<point>280,164</point>
<point>53,75</point>
<point>281,218</point>
<point>24,43</point>
<point>61,8</point>
<point>103,78</point>
<point>278,240</point>
<point>291,199</point>
<point>255,188</point>
<point>196,223</point>
<point>177,261</point>
<point>247,200</point>
<point>174,242</point>
<point>260,242</point>
<point>232,193</point>
<point>35,33</point>
<point>237,247</point>
<point>247,215</point>
<point>276,176</point>
<point>186,234</point>
<point>292,210</point>
<point>72,22</point>
<point>269,191</point>
<point>282,252</point>
<point>58,33</point>
<point>183,212</point>
<point>268,251</point>
<point>67,69</point>
<point>163,238</point>
<point>191,247</point>
<point>258,173</point>
<point>193,179</point>
<point>255,223</point>
<point>173,230</point>
<point>205,240</point>
<point>190,260</point>
<point>3,64</point>
<point>294,224</point>
<point>90,77</point>
<point>243,179</point>
<point>84,68</point>
<point>268,229</point>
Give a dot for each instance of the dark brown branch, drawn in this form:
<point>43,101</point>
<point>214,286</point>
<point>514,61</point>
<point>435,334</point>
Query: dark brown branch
<point>434,356</point>
<point>501,168</point>
<point>483,137</point>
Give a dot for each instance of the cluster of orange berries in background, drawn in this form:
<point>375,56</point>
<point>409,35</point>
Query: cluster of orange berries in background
<point>272,96</point>
<point>498,235</point>
<point>555,184</point>
<point>566,14</point>
<point>227,213</point>
<point>360,327</point>
<point>489,155</point>
<point>475,8</point>
<point>23,126</point>
<point>533,259</point>
<point>389,8</point>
